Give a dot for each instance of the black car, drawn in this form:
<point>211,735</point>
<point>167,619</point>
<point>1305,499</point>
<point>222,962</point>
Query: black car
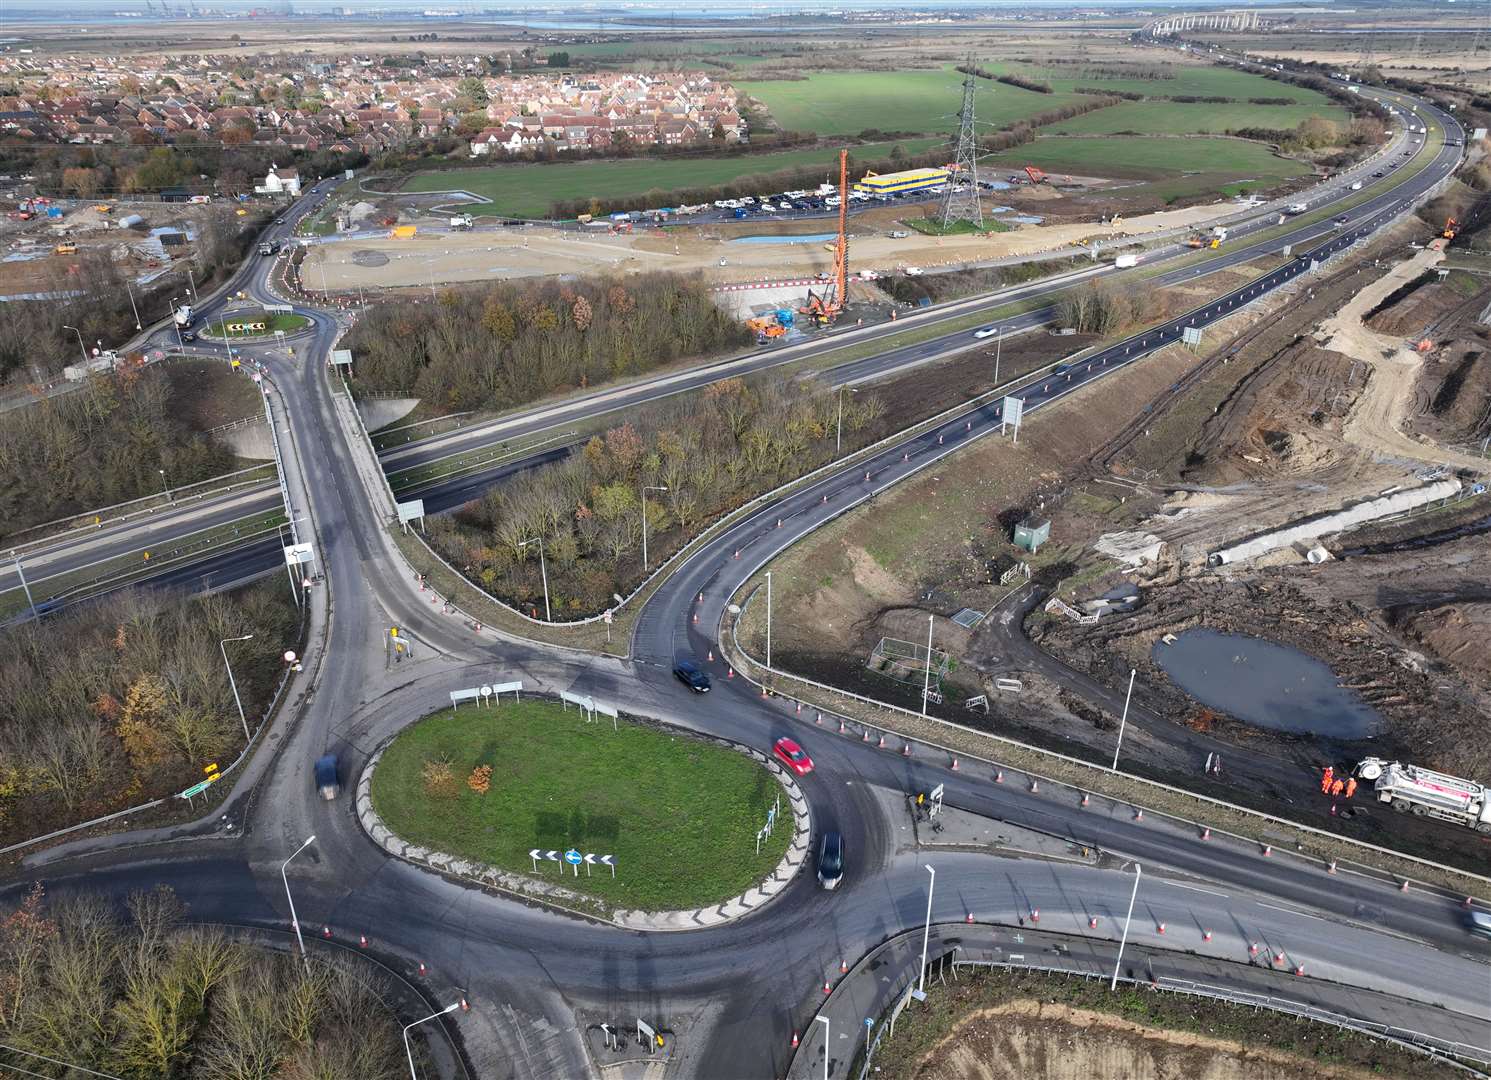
<point>830,860</point>
<point>692,676</point>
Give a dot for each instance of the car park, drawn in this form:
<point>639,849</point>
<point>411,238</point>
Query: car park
<point>830,860</point>
<point>792,756</point>
<point>692,676</point>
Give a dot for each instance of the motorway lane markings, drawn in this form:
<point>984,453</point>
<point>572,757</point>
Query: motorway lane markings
<point>1196,888</point>
<point>1291,911</point>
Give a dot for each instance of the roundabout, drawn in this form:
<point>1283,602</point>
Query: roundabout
<point>640,824</point>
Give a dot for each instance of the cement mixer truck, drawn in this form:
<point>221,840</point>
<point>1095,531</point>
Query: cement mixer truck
<point>1410,789</point>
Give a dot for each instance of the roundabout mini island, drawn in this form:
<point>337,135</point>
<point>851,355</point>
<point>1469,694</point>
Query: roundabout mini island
<point>476,792</point>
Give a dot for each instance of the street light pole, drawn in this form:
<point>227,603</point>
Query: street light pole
<point>81,347</point>
<point>839,430</point>
<point>998,348</point>
<point>645,490</point>
<point>223,645</point>
<point>452,1007</point>
<point>1138,872</point>
<point>132,306</point>
<point>544,570</point>
<point>1124,719</point>
<point>192,285</point>
<point>295,922</point>
<point>921,985</point>
<point>180,341</point>
<point>24,587</point>
<point>166,484</point>
<point>827,1028</point>
<point>768,620</point>
<point>927,681</point>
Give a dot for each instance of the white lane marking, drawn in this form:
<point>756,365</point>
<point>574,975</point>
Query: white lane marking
<point>1291,911</point>
<point>1197,888</point>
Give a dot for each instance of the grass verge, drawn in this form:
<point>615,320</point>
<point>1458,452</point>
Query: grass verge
<point>679,814</point>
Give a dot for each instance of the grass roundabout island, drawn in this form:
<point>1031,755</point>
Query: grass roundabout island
<point>680,814</point>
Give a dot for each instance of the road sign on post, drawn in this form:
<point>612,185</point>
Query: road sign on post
<point>1010,412</point>
<point>574,858</point>
<point>409,511</point>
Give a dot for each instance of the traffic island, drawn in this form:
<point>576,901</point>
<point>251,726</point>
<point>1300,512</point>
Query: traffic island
<point>252,325</point>
<point>637,824</point>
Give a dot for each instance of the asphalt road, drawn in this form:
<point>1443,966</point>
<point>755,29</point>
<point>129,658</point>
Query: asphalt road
<point>735,993</point>
<point>161,530</point>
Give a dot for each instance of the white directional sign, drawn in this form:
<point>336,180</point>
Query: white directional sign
<point>411,510</point>
<point>341,356</point>
<point>296,554</point>
<point>1011,409</point>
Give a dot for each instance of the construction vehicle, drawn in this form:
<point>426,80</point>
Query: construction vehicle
<point>825,308</point>
<point>1036,176</point>
<point>65,249</point>
<point>1195,240</point>
<point>1451,227</point>
<point>1410,789</point>
<point>461,221</point>
<point>183,316</point>
<point>268,247</point>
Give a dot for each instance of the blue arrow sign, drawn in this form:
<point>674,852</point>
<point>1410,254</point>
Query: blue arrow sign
<point>573,857</point>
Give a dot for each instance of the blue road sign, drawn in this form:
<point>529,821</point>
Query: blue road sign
<point>573,857</point>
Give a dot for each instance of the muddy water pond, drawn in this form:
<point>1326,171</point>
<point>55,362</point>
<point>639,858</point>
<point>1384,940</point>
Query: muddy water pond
<point>1265,684</point>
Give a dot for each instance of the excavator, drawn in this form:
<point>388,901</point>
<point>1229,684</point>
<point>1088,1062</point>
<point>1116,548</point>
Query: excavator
<point>1451,227</point>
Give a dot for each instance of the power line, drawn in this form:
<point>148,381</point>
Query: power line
<point>960,202</point>
<point>54,1061</point>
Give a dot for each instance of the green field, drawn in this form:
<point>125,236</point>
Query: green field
<point>1174,118</point>
<point>841,102</point>
<point>848,102</point>
<point>680,815</point>
<point>523,190</point>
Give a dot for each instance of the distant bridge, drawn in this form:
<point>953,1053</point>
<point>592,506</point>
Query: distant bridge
<point>1204,20</point>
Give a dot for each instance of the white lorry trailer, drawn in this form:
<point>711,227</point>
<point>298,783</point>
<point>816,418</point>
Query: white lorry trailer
<point>183,316</point>
<point>461,221</point>
<point>1424,793</point>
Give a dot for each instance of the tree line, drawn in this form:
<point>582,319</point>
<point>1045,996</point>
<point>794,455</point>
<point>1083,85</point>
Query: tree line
<point>101,444</point>
<point>1103,308</point>
<point>141,994</point>
<point>712,452</point>
<point>127,699</point>
<point>517,341</point>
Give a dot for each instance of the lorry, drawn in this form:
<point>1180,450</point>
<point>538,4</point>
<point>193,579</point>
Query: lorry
<point>326,777</point>
<point>1424,793</point>
<point>1125,261</point>
<point>183,316</point>
<point>268,247</point>
<point>461,221</point>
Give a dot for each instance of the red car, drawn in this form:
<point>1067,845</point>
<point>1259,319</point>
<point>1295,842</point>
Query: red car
<point>793,756</point>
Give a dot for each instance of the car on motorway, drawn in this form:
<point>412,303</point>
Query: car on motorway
<point>986,331</point>
<point>1341,222</point>
<point>830,860</point>
<point>792,756</point>
<point>692,676</point>
<point>1378,173</point>
<point>1479,922</point>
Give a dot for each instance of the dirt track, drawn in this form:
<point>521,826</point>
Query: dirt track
<point>490,254</point>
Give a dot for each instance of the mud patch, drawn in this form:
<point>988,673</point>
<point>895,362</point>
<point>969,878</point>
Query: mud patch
<point>368,257</point>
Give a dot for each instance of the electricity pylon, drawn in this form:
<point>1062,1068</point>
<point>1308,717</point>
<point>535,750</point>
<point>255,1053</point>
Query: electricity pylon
<point>960,201</point>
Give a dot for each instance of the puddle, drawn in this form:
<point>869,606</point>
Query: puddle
<point>813,238</point>
<point>1265,684</point>
<point>1026,219</point>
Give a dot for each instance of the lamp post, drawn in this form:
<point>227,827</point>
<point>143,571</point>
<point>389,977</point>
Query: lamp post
<point>927,680</point>
<point>839,428</point>
<point>998,348</point>
<point>180,341</point>
<point>1123,719</point>
<point>827,1027</point>
<point>191,284</point>
<point>223,645</point>
<point>645,490</point>
<point>921,985</point>
<point>166,484</point>
<point>81,347</point>
<point>132,305</point>
<point>544,570</point>
<point>295,922</point>
<point>1138,872</point>
<point>768,620</point>
<point>452,1007</point>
